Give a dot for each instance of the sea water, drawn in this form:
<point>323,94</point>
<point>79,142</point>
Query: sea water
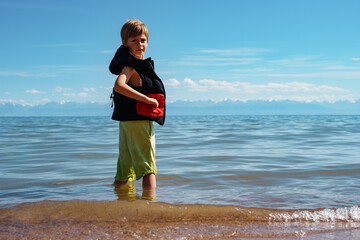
<point>297,168</point>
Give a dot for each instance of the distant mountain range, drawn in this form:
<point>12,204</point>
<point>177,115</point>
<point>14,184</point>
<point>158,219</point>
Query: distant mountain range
<point>226,107</point>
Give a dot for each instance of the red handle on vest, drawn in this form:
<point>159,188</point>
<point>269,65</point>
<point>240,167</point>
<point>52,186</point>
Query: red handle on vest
<point>147,109</point>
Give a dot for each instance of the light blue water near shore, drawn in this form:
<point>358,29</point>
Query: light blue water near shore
<point>290,162</point>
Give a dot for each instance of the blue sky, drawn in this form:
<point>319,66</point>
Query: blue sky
<point>242,49</point>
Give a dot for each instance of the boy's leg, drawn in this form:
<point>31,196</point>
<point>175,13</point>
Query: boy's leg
<point>149,187</point>
<point>118,182</point>
<point>149,180</point>
<point>125,171</point>
<point>142,150</point>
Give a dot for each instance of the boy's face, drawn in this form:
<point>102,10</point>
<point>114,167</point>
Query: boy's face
<point>137,45</point>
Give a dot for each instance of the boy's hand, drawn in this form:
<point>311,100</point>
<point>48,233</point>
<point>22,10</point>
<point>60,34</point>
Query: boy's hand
<point>153,102</point>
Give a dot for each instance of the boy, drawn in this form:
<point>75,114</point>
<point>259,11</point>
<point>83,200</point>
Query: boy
<point>139,97</point>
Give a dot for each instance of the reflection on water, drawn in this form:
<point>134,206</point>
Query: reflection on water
<point>149,193</point>
<point>127,192</point>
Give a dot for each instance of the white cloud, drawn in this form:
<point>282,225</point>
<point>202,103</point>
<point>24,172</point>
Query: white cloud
<point>313,98</point>
<point>14,73</point>
<point>108,51</point>
<point>245,51</point>
<point>70,94</point>
<point>342,68</point>
<point>300,87</point>
<point>83,94</point>
<point>64,102</point>
<point>15,102</point>
<point>26,74</point>
<point>299,61</point>
<point>252,70</point>
<point>331,74</point>
<point>222,57</point>
<point>91,89</point>
<point>34,91</point>
<point>215,61</point>
<point>71,69</point>
<point>172,82</point>
<point>57,45</point>
<point>206,85</point>
<point>61,89</point>
<point>106,88</point>
<point>355,59</point>
<point>188,83</point>
<point>45,100</point>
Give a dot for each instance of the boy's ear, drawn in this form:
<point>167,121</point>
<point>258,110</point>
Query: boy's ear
<point>124,43</point>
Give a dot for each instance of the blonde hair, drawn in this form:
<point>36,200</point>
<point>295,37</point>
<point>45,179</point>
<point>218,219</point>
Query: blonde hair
<point>133,28</point>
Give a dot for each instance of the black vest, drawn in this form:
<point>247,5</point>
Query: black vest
<point>125,107</point>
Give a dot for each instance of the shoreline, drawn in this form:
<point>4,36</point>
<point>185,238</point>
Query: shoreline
<point>154,220</point>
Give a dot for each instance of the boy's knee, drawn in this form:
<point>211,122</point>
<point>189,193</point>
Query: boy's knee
<point>118,182</point>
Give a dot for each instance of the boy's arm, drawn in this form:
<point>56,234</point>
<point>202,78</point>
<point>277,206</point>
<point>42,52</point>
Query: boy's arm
<point>122,87</point>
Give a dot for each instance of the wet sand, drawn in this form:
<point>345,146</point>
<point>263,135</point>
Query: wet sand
<point>142,219</point>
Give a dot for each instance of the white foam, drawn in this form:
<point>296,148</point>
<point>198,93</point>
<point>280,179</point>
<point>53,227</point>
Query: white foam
<point>326,215</point>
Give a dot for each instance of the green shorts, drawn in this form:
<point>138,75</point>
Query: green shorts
<point>136,150</point>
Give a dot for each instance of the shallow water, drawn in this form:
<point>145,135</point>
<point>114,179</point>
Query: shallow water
<point>272,162</point>
<point>287,162</point>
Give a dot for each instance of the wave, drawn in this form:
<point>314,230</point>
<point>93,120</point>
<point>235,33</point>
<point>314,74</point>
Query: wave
<point>326,215</point>
<point>156,220</point>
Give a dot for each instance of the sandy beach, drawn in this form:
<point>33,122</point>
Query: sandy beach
<point>142,219</point>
